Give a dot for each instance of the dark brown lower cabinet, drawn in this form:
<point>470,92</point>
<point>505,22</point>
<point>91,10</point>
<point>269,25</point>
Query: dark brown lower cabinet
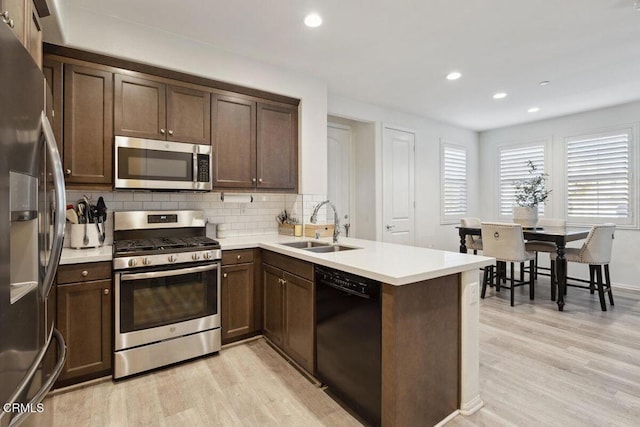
<point>84,319</point>
<point>241,297</point>
<point>289,307</point>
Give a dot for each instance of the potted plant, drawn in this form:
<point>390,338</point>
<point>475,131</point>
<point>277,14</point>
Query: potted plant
<point>530,193</point>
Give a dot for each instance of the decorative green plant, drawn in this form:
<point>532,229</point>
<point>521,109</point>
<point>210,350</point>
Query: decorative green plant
<point>532,191</point>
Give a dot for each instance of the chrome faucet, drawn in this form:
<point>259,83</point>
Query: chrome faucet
<point>336,221</point>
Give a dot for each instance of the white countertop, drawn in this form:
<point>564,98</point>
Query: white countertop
<point>389,263</point>
<point>79,256</point>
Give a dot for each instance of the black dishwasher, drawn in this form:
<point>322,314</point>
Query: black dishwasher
<point>348,340</point>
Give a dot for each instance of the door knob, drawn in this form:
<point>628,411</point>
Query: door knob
<point>389,227</point>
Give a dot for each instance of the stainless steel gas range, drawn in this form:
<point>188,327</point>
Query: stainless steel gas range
<point>167,289</point>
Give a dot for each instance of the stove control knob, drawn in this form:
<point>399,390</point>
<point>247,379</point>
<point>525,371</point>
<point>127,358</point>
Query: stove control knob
<point>133,262</point>
<point>207,255</point>
<point>146,260</point>
<point>195,256</point>
<point>173,258</point>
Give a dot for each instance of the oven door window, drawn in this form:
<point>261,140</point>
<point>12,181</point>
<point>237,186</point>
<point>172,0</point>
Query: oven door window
<point>155,165</point>
<point>148,303</point>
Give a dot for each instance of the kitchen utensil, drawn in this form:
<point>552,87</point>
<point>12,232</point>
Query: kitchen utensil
<point>101,208</point>
<point>72,216</point>
<point>83,208</point>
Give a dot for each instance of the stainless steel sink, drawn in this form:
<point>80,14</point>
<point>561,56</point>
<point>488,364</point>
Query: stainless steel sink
<point>332,248</point>
<point>306,244</point>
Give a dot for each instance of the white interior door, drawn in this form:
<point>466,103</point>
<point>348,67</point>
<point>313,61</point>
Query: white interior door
<point>339,171</point>
<point>398,192</point>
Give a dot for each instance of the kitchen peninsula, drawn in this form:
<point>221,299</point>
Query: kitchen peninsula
<point>430,316</point>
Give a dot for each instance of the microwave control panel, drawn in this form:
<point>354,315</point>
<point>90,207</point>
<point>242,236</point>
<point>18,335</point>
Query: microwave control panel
<point>203,168</point>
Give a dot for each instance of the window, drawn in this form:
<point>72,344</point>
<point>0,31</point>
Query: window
<point>454,183</point>
<point>599,186</point>
<point>514,166</point>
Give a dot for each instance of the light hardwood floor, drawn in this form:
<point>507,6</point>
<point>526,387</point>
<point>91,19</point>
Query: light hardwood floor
<point>537,367</point>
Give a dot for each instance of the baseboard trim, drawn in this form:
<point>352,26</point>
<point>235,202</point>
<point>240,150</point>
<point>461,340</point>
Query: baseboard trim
<point>448,418</point>
<point>472,406</point>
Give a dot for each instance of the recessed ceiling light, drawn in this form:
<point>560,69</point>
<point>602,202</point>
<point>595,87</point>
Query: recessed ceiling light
<point>454,75</point>
<point>313,20</point>
<point>499,95</point>
<point>533,110</point>
<point>544,82</point>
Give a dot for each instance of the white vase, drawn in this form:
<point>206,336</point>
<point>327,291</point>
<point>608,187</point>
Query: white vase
<point>525,216</point>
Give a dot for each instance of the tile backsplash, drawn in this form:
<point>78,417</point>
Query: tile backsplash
<point>233,219</point>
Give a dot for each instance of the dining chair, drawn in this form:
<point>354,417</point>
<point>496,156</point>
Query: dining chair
<point>505,242</point>
<point>472,242</point>
<point>547,247</point>
<point>596,251</point>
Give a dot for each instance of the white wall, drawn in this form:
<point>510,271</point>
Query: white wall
<point>110,36</point>
<point>625,268</point>
<point>429,231</point>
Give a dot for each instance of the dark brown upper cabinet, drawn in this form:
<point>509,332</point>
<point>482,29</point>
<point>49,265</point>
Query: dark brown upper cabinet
<point>277,146</point>
<point>146,108</point>
<point>234,142</point>
<point>255,144</point>
<point>53,74</point>
<point>88,125</point>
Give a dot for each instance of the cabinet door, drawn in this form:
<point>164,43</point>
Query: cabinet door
<point>17,11</point>
<point>273,304</point>
<point>84,319</point>
<point>277,155</point>
<point>234,142</point>
<point>299,320</point>
<point>188,115</point>
<point>237,301</point>
<point>34,34</point>
<point>140,107</point>
<point>52,71</point>
<point>88,125</point>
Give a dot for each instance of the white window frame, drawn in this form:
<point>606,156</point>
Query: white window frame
<point>625,223</point>
<point>547,166</point>
<point>446,218</point>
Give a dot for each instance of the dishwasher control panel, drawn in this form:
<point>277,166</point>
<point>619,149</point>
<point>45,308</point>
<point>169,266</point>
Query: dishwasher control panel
<point>347,282</point>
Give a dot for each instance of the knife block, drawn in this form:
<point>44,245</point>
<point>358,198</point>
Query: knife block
<point>76,236</point>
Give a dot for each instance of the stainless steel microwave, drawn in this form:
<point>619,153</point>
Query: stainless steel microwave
<point>161,165</point>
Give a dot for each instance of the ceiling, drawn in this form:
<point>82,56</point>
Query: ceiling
<point>397,53</point>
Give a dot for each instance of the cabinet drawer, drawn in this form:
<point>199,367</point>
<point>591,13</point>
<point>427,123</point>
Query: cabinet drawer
<point>294,266</point>
<point>84,272</point>
<point>239,256</point>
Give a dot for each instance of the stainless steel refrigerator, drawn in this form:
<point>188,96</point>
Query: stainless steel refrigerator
<point>32,217</point>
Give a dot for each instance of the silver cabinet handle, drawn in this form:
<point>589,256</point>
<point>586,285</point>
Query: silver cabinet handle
<point>7,19</point>
<point>170,132</point>
<point>225,275</point>
<point>389,227</point>
<point>259,179</point>
<point>68,171</point>
<point>162,131</point>
<point>238,257</point>
<point>253,180</point>
<point>84,273</point>
<point>106,291</point>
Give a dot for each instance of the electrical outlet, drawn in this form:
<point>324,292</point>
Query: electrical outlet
<point>473,294</point>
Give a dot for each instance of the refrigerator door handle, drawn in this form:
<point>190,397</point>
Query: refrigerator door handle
<point>59,215</point>
<point>39,396</point>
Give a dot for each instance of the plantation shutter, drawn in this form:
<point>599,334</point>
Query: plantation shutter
<point>514,166</point>
<point>598,177</point>
<point>454,186</point>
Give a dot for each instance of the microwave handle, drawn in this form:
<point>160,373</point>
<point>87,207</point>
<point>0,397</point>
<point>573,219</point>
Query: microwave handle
<point>195,167</point>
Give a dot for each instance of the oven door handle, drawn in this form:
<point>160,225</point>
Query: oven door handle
<point>168,273</point>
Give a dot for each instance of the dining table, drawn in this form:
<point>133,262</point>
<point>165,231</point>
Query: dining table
<point>560,236</point>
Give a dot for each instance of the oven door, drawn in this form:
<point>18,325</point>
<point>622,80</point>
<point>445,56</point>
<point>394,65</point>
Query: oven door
<point>158,305</point>
<point>164,165</point>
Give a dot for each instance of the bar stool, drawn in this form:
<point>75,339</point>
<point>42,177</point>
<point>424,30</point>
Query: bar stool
<point>472,242</point>
<point>505,242</point>
<point>546,247</point>
<point>596,251</point>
